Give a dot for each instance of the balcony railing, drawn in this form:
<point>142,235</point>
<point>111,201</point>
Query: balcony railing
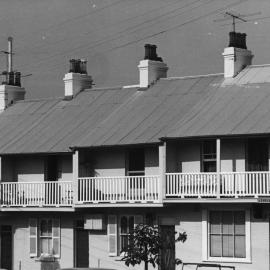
<point>225,184</point>
<point>125,189</point>
<point>22,194</point>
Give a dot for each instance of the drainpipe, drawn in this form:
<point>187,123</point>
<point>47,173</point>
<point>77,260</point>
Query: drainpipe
<point>218,167</point>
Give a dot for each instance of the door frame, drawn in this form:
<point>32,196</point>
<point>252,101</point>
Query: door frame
<point>12,244</point>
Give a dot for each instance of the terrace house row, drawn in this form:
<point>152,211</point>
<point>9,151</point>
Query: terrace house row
<point>186,153</point>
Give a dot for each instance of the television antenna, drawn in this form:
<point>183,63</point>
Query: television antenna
<point>236,17</point>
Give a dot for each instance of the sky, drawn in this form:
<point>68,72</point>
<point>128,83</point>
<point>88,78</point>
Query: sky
<point>111,35</point>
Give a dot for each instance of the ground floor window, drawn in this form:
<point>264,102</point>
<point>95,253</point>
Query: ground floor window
<point>44,237</point>
<point>227,235</point>
<point>126,228</point>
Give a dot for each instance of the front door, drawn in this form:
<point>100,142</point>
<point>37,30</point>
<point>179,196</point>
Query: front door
<point>81,246</point>
<point>167,261</point>
<point>6,247</point>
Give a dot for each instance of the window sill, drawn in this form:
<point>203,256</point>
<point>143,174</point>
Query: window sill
<point>46,258</point>
<point>227,260</point>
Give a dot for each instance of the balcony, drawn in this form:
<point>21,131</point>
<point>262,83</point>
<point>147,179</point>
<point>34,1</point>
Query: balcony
<point>119,189</point>
<point>136,190</point>
<point>36,194</point>
<point>218,185</point>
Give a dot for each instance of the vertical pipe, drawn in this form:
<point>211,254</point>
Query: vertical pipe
<point>218,166</point>
<point>10,54</point>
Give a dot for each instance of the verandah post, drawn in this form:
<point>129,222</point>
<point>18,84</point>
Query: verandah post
<point>75,170</point>
<point>162,172</point>
<point>218,167</point>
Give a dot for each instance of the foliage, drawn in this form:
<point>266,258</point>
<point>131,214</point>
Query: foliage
<point>145,245</point>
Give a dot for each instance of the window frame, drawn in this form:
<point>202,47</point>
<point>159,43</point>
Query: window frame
<point>126,234</point>
<point>206,237</point>
<point>208,157</point>
<point>56,225</point>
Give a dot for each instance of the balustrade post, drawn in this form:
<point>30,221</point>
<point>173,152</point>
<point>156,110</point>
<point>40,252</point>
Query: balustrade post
<point>162,172</point>
<point>75,170</point>
<point>218,167</point>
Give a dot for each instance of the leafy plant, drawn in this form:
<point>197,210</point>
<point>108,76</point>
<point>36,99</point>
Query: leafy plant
<point>145,245</point>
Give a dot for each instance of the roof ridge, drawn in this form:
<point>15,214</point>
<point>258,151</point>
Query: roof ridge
<point>192,76</point>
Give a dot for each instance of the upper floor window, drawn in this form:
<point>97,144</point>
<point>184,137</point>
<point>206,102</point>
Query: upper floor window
<point>209,156</point>
<point>135,162</point>
<point>257,155</point>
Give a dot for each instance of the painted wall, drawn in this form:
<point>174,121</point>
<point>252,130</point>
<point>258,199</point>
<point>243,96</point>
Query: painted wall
<point>186,156</point>
<point>29,169</point>
<point>66,168</point>
<point>185,217</point>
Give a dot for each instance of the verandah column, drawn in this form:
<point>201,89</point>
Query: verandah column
<point>162,171</point>
<point>75,171</point>
<point>218,166</point>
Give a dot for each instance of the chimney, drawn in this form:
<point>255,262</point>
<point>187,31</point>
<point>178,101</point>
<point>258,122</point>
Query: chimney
<point>236,55</point>
<point>77,79</point>
<point>152,67</point>
<point>11,90</point>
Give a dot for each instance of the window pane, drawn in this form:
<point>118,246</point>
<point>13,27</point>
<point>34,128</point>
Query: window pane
<point>123,224</point>
<point>43,227</point>
<point>124,241</point>
<point>56,246</point>
<point>50,227</point>
<point>56,228</point>
<point>131,224</point>
<point>33,246</point>
<point>44,245</point>
<point>215,246</point>
<point>227,246</point>
<point>215,220</point>
<point>227,222</point>
<point>50,247</point>
<point>209,166</point>
<point>240,246</point>
<point>239,220</point>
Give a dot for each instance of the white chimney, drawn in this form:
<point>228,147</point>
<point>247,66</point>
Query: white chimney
<point>77,79</point>
<point>152,67</point>
<point>236,56</point>
<point>11,90</point>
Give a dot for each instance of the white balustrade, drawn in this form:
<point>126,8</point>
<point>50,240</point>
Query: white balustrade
<point>36,194</point>
<point>248,184</point>
<point>118,189</point>
<point>191,184</point>
<point>232,184</point>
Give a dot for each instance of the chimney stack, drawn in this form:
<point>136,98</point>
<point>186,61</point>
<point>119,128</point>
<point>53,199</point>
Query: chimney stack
<point>11,90</point>
<point>236,56</point>
<point>77,79</point>
<point>152,67</point>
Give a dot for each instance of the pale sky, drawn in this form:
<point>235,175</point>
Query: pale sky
<point>111,35</point>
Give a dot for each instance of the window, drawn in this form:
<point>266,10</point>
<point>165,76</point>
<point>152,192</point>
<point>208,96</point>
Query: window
<point>227,235</point>
<point>257,155</point>
<point>135,162</point>
<point>209,156</point>
<point>44,237</point>
<point>119,228</point>
<point>126,228</point>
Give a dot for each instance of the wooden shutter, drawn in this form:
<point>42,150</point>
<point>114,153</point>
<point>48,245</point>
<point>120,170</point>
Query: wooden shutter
<point>33,237</point>
<point>56,237</point>
<point>138,219</point>
<point>112,235</point>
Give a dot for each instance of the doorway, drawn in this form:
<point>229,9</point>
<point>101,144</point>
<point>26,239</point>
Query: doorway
<point>6,247</point>
<point>81,245</point>
<point>167,260</point>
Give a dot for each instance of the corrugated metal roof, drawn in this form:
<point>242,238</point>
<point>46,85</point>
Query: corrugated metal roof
<point>172,108</point>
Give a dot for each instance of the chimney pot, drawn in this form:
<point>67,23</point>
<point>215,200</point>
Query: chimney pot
<point>11,78</point>
<point>17,81</point>
<point>147,55</point>
<point>71,65</point>
<point>83,66</point>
